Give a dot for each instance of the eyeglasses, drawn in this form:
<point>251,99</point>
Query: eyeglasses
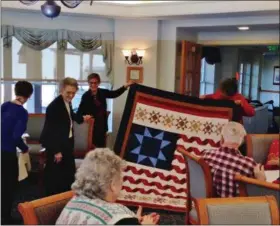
<point>93,83</point>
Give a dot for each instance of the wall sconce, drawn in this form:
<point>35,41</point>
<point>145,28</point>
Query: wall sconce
<point>136,56</point>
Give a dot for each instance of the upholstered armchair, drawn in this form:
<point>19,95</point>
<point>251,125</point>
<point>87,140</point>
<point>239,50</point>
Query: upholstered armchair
<point>34,128</point>
<point>258,146</point>
<point>253,187</point>
<point>83,138</point>
<point>199,183</point>
<point>44,211</point>
<point>260,210</point>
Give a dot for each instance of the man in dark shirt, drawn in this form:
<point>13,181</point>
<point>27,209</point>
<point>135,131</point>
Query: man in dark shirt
<point>13,124</point>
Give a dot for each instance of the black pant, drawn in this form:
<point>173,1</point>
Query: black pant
<point>99,134</point>
<point>9,182</point>
<point>60,176</point>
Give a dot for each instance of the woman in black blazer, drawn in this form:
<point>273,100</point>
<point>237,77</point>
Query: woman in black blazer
<point>94,103</point>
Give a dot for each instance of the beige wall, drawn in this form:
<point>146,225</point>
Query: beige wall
<point>129,34</point>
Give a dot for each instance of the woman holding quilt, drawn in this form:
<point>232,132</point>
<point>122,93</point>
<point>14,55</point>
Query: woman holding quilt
<point>94,103</point>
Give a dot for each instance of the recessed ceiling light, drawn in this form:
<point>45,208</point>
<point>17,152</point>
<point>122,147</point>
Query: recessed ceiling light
<point>243,28</point>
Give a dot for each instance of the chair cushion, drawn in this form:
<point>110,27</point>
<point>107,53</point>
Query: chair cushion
<point>78,162</point>
<point>273,158</point>
<point>81,132</point>
<point>35,126</point>
<point>34,149</point>
<point>193,215</point>
<point>48,214</point>
<point>240,213</point>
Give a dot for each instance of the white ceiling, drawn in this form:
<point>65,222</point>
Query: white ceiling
<point>157,9</point>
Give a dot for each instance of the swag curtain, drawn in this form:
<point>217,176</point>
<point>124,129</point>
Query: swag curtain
<point>40,39</point>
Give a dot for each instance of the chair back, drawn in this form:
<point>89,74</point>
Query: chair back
<point>199,176</point>
<point>83,138</point>
<point>238,211</point>
<point>44,211</point>
<point>35,126</point>
<point>258,146</point>
<point>253,187</point>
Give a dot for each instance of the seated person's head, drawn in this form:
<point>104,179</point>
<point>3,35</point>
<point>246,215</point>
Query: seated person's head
<point>229,87</point>
<point>100,175</point>
<point>233,135</point>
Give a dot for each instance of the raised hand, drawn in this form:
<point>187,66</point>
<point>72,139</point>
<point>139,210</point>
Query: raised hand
<point>259,172</point>
<point>129,83</point>
<point>87,117</point>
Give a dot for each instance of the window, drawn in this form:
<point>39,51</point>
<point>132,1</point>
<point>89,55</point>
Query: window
<point>245,79</point>
<point>44,68</point>
<point>79,65</point>
<point>49,62</point>
<point>207,78</point>
<point>48,93</point>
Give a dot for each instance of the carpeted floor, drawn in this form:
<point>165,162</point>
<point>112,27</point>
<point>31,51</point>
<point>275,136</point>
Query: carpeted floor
<point>29,190</point>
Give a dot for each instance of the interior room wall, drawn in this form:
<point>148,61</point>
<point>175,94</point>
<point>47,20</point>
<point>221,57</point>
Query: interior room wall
<point>129,34</point>
<point>167,58</point>
<point>269,61</point>
<point>228,66</point>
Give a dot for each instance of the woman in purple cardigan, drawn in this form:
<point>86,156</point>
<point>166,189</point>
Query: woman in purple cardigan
<point>13,124</point>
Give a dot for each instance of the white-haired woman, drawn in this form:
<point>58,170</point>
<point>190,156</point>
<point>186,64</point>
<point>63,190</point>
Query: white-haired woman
<point>97,186</point>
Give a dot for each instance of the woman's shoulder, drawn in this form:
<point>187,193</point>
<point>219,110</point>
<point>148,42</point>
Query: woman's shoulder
<point>10,106</point>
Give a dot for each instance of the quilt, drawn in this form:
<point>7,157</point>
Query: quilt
<point>154,124</point>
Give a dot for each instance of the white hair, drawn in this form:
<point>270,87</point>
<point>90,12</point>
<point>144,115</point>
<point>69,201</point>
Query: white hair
<point>233,132</point>
<point>96,173</point>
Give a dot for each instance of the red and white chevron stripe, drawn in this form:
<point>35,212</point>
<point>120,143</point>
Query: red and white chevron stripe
<point>153,187</point>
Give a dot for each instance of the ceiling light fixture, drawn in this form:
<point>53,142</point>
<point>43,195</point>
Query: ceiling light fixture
<point>244,28</point>
<point>51,9</point>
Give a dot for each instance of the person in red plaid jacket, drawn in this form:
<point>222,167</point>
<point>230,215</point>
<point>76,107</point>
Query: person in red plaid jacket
<point>227,161</point>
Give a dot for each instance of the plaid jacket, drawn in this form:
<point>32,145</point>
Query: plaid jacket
<point>224,164</point>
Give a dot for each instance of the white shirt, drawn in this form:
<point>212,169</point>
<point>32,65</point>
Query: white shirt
<point>69,112</point>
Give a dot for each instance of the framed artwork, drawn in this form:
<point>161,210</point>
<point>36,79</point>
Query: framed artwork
<point>276,76</point>
<point>135,74</point>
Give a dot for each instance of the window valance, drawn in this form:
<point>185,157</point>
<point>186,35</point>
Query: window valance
<point>40,39</point>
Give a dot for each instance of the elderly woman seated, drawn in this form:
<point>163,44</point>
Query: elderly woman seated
<point>97,186</point>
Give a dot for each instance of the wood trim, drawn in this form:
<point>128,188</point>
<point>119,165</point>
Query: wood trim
<point>27,209</point>
<point>247,180</point>
<point>36,115</point>
<point>203,203</point>
<point>128,71</point>
<point>202,212</point>
<point>28,214</point>
<point>274,210</point>
<point>269,91</point>
<point>183,68</point>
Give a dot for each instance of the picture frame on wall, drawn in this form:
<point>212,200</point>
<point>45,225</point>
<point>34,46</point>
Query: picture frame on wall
<point>276,75</point>
<point>135,74</point>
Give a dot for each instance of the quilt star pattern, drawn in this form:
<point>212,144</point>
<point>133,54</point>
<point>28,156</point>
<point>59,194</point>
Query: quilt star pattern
<point>154,124</point>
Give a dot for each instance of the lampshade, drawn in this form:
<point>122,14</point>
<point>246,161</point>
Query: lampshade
<point>126,53</point>
<point>50,9</point>
<point>140,53</point>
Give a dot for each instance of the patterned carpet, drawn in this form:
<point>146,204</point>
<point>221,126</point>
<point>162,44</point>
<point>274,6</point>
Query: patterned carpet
<point>28,190</point>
